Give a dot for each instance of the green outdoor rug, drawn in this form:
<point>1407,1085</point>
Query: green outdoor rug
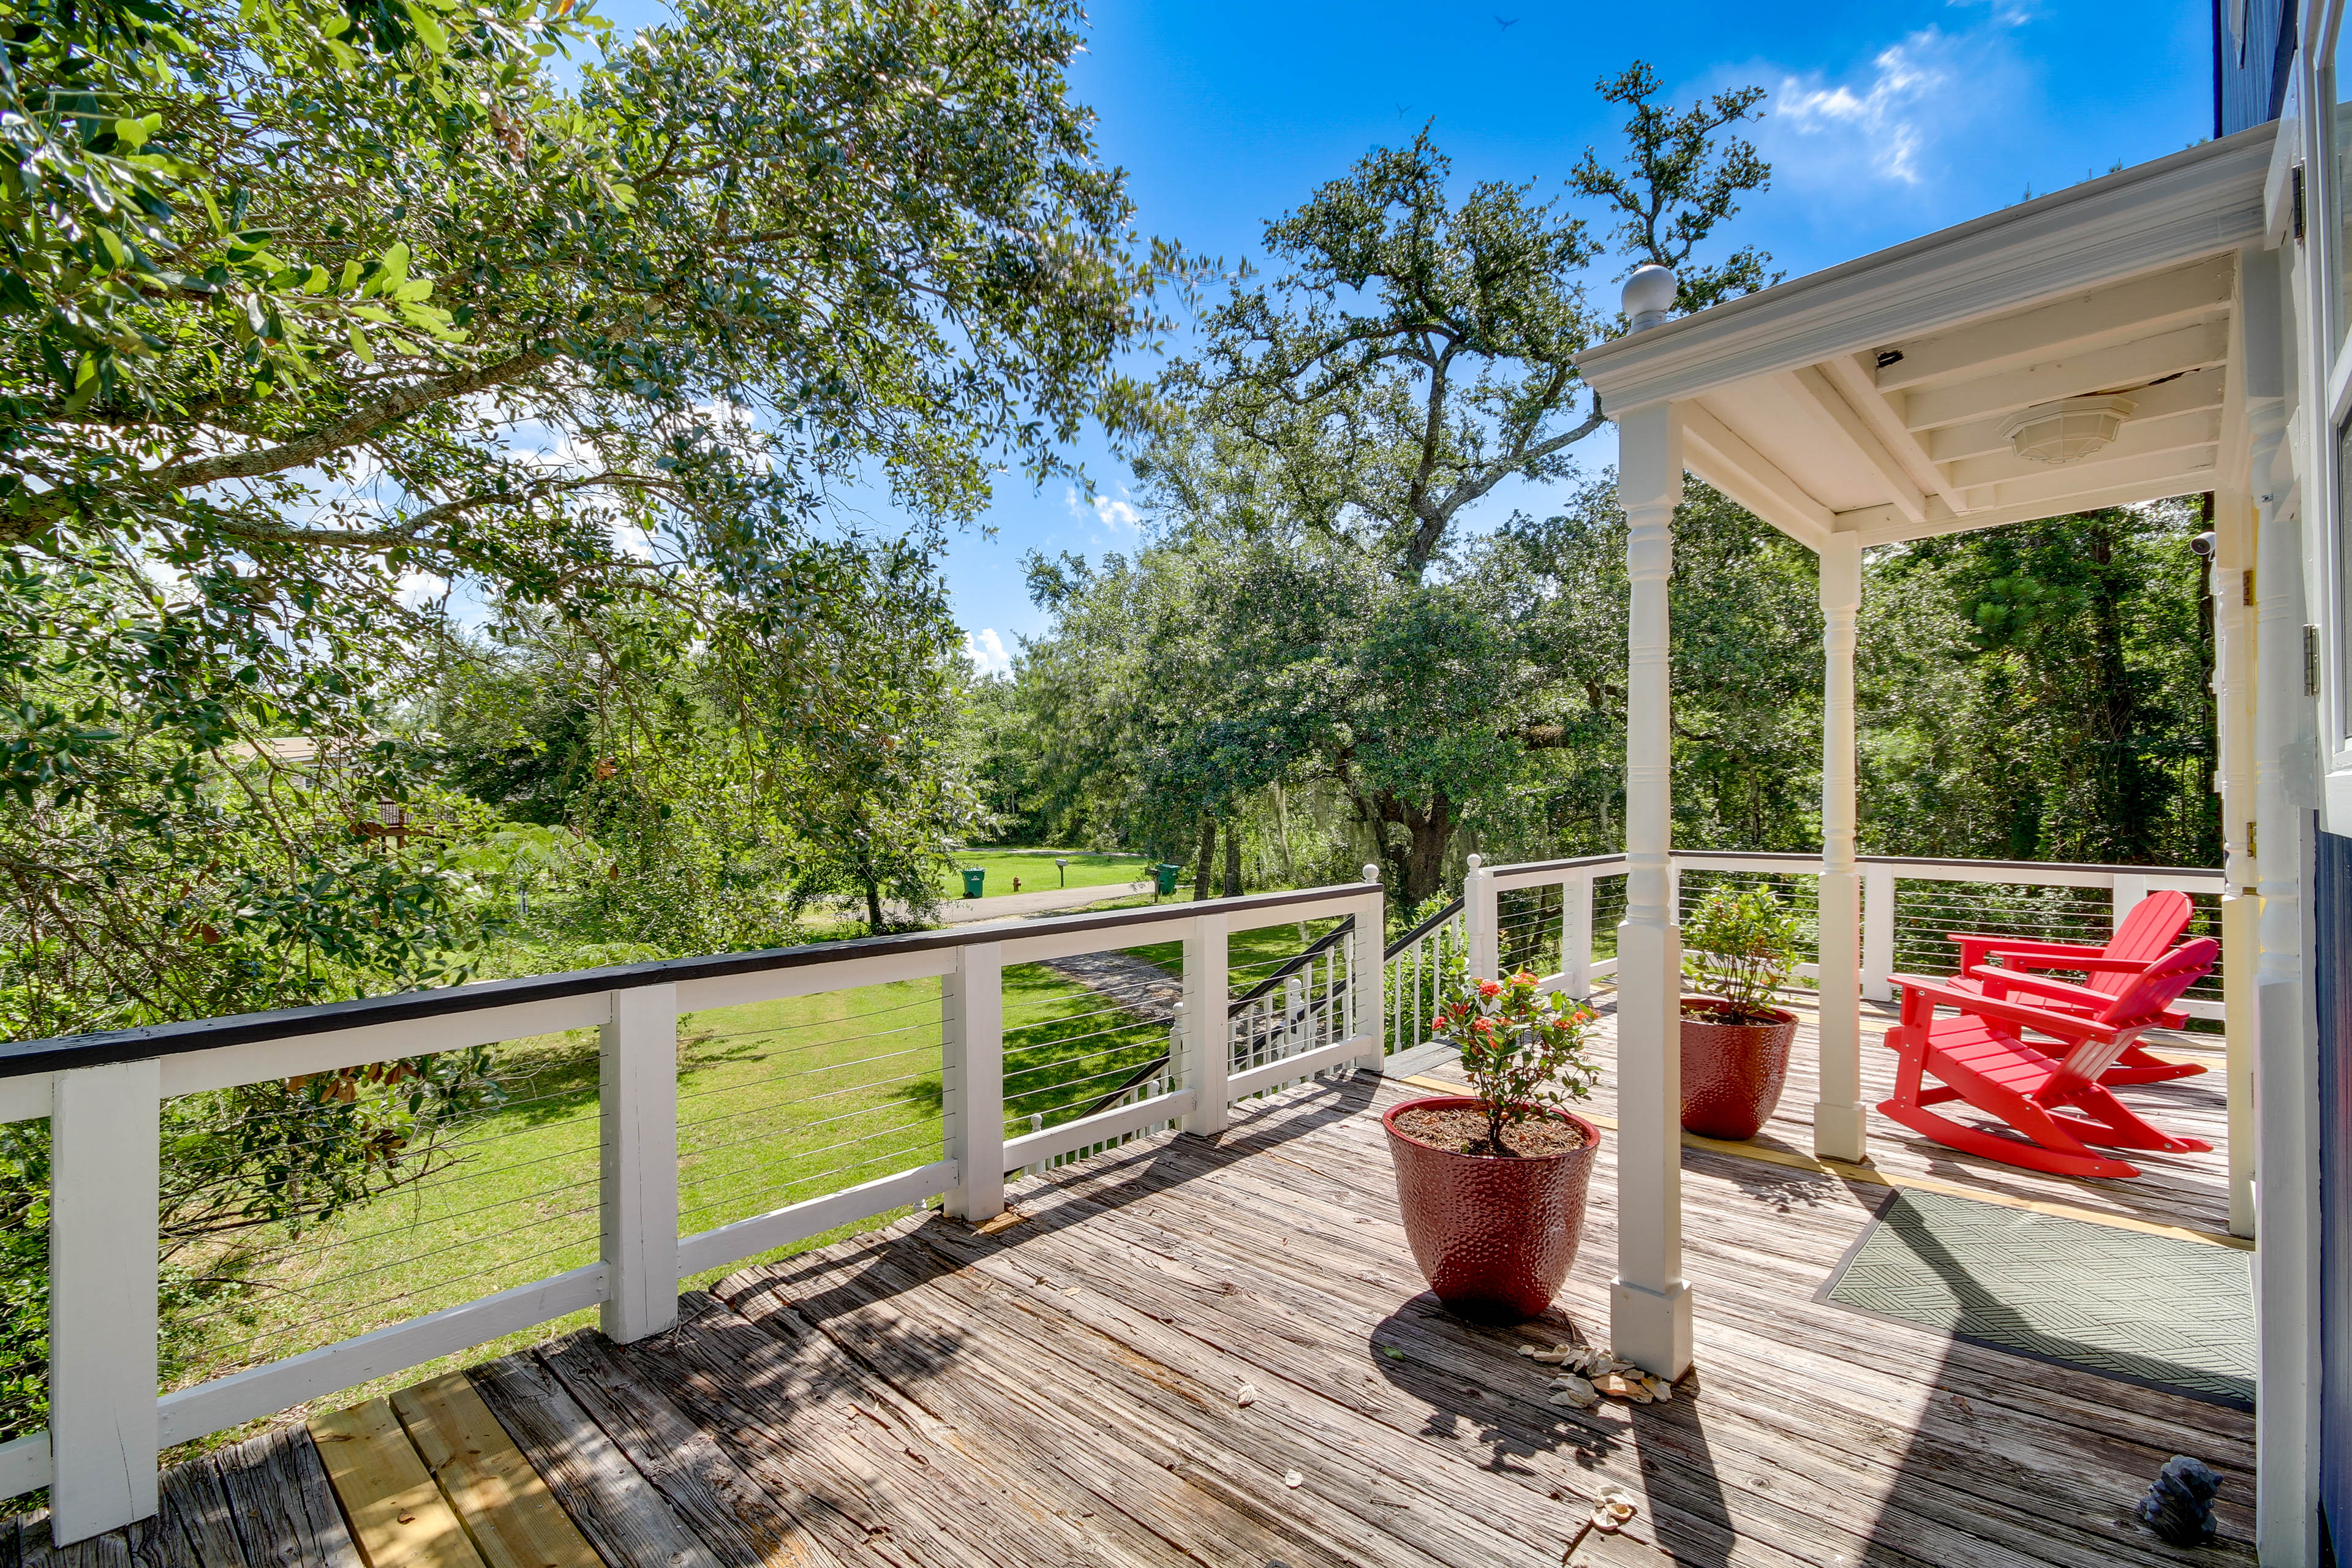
<point>2150,1309</point>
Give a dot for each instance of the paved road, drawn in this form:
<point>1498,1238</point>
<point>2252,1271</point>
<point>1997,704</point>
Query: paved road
<point>1013,906</point>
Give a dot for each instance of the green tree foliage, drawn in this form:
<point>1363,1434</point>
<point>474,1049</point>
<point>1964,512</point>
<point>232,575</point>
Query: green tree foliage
<point>2038,692</point>
<point>304,311</point>
<point>2035,691</point>
<point>309,311</point>
<point>1415,350</point>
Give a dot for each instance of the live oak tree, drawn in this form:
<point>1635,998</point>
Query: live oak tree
<point>307,311</point>
<point>1414,350</point>
<point>311,310</point>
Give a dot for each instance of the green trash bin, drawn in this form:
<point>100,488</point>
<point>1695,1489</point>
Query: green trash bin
<point>972,881</point>
<point>1164,879</point>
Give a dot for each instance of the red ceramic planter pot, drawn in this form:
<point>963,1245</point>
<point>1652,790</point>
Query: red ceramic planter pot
<point>1732,1073</point>
<point>1494,1237</point>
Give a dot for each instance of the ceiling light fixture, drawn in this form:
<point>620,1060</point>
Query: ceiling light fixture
<point>2058,433</point>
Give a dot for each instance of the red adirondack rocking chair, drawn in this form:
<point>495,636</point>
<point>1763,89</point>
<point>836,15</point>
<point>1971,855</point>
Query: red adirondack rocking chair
<point>2147,933</point>
<point>2058,1105</point>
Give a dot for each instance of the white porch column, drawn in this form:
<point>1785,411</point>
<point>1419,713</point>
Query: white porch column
<point>2286,1276</point>
<point>1649,1301</point>
<point>1841,1125</point>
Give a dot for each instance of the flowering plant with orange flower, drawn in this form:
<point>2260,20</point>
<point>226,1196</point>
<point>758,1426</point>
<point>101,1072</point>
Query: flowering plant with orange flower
<point>1523,1048</point>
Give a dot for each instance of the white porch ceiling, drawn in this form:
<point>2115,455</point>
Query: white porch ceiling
<point>1868,398</point>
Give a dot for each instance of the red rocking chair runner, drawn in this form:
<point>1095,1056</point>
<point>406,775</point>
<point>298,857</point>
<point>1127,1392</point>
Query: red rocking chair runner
<point>2151,928</point>
<point>2060,1105</point>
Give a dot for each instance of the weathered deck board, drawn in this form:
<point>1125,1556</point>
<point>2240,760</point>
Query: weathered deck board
<point>1069,1388</point>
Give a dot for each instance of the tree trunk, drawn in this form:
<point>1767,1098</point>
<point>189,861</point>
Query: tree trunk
<point>1232,859</point>
<point>1417,867</point>
<point>873,897</point>
<point>2120,772</point>
<point>1201,888</point>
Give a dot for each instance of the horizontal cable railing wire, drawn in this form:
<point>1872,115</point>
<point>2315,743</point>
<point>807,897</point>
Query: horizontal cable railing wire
<point>780,1100</point>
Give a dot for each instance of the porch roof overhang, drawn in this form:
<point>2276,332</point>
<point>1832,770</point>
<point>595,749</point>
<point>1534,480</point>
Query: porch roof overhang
<point>1870,398</point>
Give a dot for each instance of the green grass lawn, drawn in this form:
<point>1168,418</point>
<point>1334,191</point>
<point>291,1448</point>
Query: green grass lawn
<point>1037,872</point>
<point>778,1102</point>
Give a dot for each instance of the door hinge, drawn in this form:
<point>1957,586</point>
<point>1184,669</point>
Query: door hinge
<point>2250,841</point>
<point>2298,203</point>
<point>2246,587</point>
<point>2311,661</point>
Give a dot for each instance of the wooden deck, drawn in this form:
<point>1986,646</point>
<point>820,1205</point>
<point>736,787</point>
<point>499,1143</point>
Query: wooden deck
<point>1185,1353</point>
<point>2189,1192</point>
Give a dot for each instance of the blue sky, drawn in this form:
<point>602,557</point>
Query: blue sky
<point>1885,120</point>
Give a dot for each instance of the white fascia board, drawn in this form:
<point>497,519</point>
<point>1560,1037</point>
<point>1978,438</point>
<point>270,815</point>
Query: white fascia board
<point>2159,214</point>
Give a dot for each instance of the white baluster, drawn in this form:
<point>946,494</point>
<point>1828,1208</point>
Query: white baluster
<point>636,1089</point>
<point>973,1078</point>
<point>105,1173</point>
<point>1207,1059</point>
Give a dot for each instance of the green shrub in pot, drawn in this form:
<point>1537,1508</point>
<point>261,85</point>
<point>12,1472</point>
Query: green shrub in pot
<point>1741,945</point>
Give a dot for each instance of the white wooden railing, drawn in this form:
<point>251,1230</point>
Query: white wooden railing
<point>1327,1008</point>
<point>1903,927</point>
<point>103,1095</point>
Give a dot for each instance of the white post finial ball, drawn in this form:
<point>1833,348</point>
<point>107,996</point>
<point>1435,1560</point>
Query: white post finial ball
<point>1649,295</point>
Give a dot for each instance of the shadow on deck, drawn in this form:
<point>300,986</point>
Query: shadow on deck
<point>1187,1353</point>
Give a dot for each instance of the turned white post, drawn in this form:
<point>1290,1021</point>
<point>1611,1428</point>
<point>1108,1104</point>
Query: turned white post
<point>1841,1126</point>
<point>1367,973</point>
<point>637,1190</point>
<point>971,1074</point>
<point>1649,1301</point>
<point>105,1173</point>
<point>1207,1027</point>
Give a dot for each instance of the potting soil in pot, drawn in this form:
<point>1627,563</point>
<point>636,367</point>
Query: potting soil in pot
<point>1464,1132</point>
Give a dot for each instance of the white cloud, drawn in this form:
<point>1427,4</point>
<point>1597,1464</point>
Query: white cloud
<point>417,589</point>
<point>987,652</point>
<point>1882,125</point>
<point>1115,514</point>
<point>2011,13</point>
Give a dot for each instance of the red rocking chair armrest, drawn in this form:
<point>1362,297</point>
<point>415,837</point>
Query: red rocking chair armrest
<point>2087,959</point>
<point>1928,994</point>
<point>2040,985</point>
<point>2023,946</point>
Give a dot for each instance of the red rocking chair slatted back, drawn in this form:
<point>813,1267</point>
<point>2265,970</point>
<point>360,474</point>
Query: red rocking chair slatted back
<point>1993,1052</point>
<point>2154,924</point>
<point>2140,1005</point>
